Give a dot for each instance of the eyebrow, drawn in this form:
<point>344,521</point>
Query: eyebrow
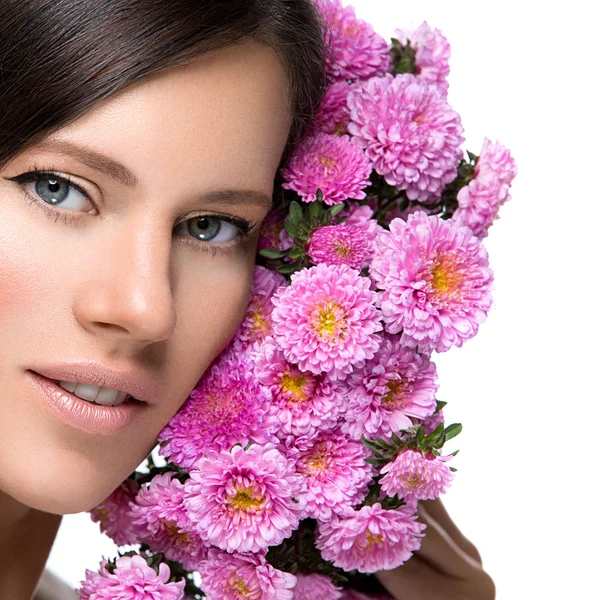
<point>119,172</point>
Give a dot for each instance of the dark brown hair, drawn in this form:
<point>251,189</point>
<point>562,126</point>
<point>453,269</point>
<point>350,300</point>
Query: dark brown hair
<point>60,57</point>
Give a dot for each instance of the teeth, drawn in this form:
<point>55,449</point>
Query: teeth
<point>94,394</point>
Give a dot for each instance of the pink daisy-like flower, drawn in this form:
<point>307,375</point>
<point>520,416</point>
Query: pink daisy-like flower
<point>271,231</point>
<point>161,521</point>
<point>303,402</point>
<point>335,471</point>
<point>326,320</point>
<point>396,384</point>
<point>432,53</point>
<point>480,200</point>
<point>239,576</point>
<point>333,114</point>
<point>412,474</point>
<point>434,279</point>
<point>409,132</point>
<point>312,586</point>
<point>113,514</point>
<point>245,500</point>
<point>371,540</point>
<point>341,244</point>
<point>361,216</point>
<point>257,324</point>
<point>357,51</point>
<point>132,579</point>
<point>227,406</point>
<point>334,164</point>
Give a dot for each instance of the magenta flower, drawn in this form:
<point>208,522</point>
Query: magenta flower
<point>432,54</point>
<point>331,163</point>
<point>371,540</point>
<point>113,514</point>
<point>412,474</point>
<point>326,320</point>
<point>303,402</point>
<point>361,216</point>
<point>434,279</point>
<point>357,51</point>
<point>244,500</point>
<point>333,114</point>
<point>312,586</point>
<point>341,244</point>
<point>409,132</point>
<point>335,471</point>
<point>162,522</point>
<point>396,384</point>
<point>480,200</point>
<point>243,577</point>
<point>132,579</point>
<point>227,406</point>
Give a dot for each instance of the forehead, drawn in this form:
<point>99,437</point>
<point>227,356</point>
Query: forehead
<point>225,112</point>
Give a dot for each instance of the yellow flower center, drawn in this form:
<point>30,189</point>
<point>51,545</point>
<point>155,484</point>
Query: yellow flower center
<point>259,323</point>
<point>411,481</point>
<point>245,499</point>
<point>342,249</point>
<point>395,396</point>
<point>177,537</point>
<point>446,277</point>
<point>237,584</point>
<point>317,461</point>
<point>294,386</point>
<point>330,321</point>
<point>329,164</point>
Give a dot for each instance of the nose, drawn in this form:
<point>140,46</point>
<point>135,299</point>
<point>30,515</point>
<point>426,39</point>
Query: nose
<point>126,291</point>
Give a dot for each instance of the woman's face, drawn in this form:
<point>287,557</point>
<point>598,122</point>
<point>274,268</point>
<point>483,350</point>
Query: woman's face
<point>128,274</point>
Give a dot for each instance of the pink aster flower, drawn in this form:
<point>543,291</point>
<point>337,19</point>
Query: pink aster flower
<point>245,500</point>
<point>335,471</point>
<point>326,320</point>
<point>361,216</point>
<point>161,521</point>
<point>303,402</point>
<point>396,384</point>
<point>236,576</point>
<point>333,114</point>
<point>341,244</point>
<point>480,200</point>
<point>228,406</point>
<point>113,514</point>
<point>272,230</point>
<point>132,579</point>
<point>409,132</point>
<point>371,539</point>
<point>334,164</point>
<point>357,51</point>
<point>312,586</point>
<point>432,54</point>
<point>257,325</point>
<point>412,474</point>
<point>434,279</point>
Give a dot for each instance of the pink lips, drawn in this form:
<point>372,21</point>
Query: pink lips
<point>91,418</point>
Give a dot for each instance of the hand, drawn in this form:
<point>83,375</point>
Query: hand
<point>446,567</point>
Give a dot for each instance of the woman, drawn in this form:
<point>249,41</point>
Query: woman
<point>139,143</point>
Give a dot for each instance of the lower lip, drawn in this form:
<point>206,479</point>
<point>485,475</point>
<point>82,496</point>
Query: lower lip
<point>91,418</point>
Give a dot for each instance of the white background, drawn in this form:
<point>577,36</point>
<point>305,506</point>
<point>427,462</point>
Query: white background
<point>525,388</point>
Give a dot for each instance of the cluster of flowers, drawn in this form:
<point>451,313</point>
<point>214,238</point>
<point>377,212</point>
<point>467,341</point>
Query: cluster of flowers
<point>301,455</point>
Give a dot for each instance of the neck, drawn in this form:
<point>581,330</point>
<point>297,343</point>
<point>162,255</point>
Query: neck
<point>26,537</point>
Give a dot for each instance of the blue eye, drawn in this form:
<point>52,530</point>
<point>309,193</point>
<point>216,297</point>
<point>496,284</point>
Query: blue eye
<point>211,229</point>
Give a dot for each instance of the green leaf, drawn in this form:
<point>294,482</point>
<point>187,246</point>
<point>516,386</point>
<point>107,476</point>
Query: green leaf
<point>453,430</point>
<point>420,434</point>
<point>336,209</point>
<point>319,195</point>
<point>271,253</point>
<point>453,453</point>
<point>439,404</point>
<point>371,445</point>
<point>396,439</point>
<point>291,227</point>
<point>376,461</point>
<point>296,252</point>
<point>295,213</point>
<point>287,269</point>
<point>453,469</point>
<point>314,210</point>
<point>384,444</point>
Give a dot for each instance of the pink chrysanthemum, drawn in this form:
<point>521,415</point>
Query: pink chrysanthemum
<point>334,164</point>
<point>412,474</point>
<point>271,231</point>
<point>227,406</point>
<point>396,384</point>
<point>245,500</point>
<point>113,514</point>
<point>244,577</point>
<point>312,586</point>
<point>132,579</point>
<point>303,402</point>
<point>326,320</point>
<point>257,324</point>
<point>357,51</point>
<point>409,132</point>
<point>341,244</point>
<point>335,470</point>
<point>333,114</point>
<point>161,521</point>
<point>432,53</point>
<point>361,216</point>
<point>480,200</point>
<point>434,279</point>
<point>371,540</point>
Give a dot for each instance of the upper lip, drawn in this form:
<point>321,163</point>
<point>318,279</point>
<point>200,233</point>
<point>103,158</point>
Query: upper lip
<point>136,382</point>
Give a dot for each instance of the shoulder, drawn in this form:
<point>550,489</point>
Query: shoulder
<point>50,587</point>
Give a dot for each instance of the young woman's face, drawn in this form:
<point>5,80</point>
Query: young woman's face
<point>127,273</point>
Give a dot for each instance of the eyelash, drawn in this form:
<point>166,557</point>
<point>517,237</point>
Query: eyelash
<point>246,228</point>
